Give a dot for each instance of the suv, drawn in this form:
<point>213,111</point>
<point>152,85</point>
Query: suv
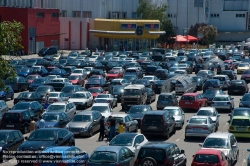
<point>166,99</point>
<point>158,123</point>
<point>226,142</point>
<point>17,119</point>
<point>68,107</point>
<point>47,51</point>
<point>161,153</point>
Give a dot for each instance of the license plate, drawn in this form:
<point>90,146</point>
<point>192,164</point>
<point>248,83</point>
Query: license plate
<point>187,102</point>
<point>241,128</point>
<point>9,125</point>
<point>152,127</point>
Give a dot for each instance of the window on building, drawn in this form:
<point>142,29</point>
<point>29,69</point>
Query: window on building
<point>55,15</point>
<point>115,15</point>
<point>171,15</point>
<point>87,14</point>
<point>39,14</point>
<point>124,15</point>
<point>63,13</point>
<point>134,15</point>
<point>240,15</point>
<point>215,15</point>
<point>76,14</point>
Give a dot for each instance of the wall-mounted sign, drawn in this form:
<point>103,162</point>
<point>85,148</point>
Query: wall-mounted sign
<point>128,26</point>
<point>151,26</point>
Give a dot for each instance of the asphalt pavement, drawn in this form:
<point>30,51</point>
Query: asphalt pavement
<point>190,146</point>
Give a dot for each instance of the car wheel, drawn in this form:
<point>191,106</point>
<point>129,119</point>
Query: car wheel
<point>12,97</point>
<point>136,128</point>
<point>186,137</point>
<point>116,104</point>
<point>174,130</point>
<point>149,161</point>
<point>86,105</point>
<point>167,135</point>
<point>90,133</point>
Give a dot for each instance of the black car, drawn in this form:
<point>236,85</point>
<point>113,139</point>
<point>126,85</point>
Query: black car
<point>18,120</point>
<point>28,96</point>
<point>97,83</point>
<point>231,74</point>
<point>137,112</point>
<point>38,82</point>
<point>117,91</point>
<point>245,100</point>
<point>211,84</point>
<point>40,140</point>
<point>211,93</point>
<point>10,140</point>
<point>70,89</point>
<point>238,87</point>
<point>33,106</point>
<point>150,95</point>
<point>161,153</point>
<point>69,70</point>
<point>157,87</point>
<point>18,83</point>
<point>161,74</point>
<point>47,51</point>
<point>146,83</point>
<point>150,70</point>
<point>154,124</point>
<point>198,81</point>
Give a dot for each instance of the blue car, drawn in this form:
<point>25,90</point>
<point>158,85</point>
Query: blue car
<point>60,72</point>
<point>68,155</point>
<point>111,156</point>
<point>25,72</point>
<point>6,93</point>
<point>38,82</point>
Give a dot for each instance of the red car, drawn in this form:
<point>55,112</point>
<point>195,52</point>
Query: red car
<point>76,80</point>
<point>192,101</point>
<point>95,91</point>
<point>230,64</point>
<point>113,74</point>
<point>32,77</point>
<point>209,157</point>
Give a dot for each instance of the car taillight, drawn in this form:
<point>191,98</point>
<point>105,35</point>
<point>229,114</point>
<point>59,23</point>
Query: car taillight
<point>137,160</point>
<point>118,164</point>
<point>205,128</point>
<point>231,128</point>
<point>55,100</point>
<point>20,117</point>
<point>166,161</point>
<point>109,101</point>
<point>228,103</point>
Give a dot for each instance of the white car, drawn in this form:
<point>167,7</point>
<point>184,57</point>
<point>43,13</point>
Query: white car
<point>88,69</point>
<point>150,78</point>
<point>106,98</point>
<point>55,97</point>
<point>103,108</point>
<point>82,99</point>
<point>133,141</point>
<point>81,72</point>
<point>93,58</point>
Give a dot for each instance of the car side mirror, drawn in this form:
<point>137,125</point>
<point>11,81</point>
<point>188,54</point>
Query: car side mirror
<point>218,115</point>
<point>234,146</point>
<point>136,145</point>
<point>182,151</point>
<point>200,144</point>
<point>187,120</point>
<point>26,138</point>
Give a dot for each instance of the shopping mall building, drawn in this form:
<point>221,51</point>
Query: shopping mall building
<point>77,24</point>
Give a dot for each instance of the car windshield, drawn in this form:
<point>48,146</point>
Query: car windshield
<point>39,80</point>
<point>82,118</point>
<point>94,90</point>
<point>50,118</point>
<point>196,79</point>
<point>206,158</point>
<point>246,97</point>
<point>118,89</point>
<point>221,99</point>
<point>121,141</point>
<point>94,81</point>
<point>3,138</point>
<point>137,110</point>
<point>77,71</point>
<point>68,89</point>
<point>198,120</point>
<point>42,135</point>
<point>131,92</point>
<point>101,109</point>
<point>103,157</point>
<point>165,97</point>
<point>113,72</point>
<point>216,143</point>
<point>56,108</point>
<point>206,113</point>
<point>211,92</point>
<point>236,83</point>
<point>246,72</point>
<point>241,112</point>
<point>24,95</point>
<point>173,112</point>
<point>240,122</point>
<point>102,96</point>
<point>53,94</point>
<point>78,96</point>
<point>21,106</point>
<point>243,65</point>
<point>42,89</point>
<point>148,78</point>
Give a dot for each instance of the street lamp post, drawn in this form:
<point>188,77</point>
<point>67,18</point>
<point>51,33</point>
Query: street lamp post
<point>187,27</point>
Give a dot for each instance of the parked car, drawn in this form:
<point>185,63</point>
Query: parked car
<point>76,80</point>
<point>178,115</point>
<point>68,107</point>
<point>153,124</point>
<point>6,93</point>
<point>166,99</point>
<point>204,156</point>
<point>241,111</point>
<point>231,74</point>
<point>3,108</point>
<point>106,98</point>
<point>238,86</point>
<point>69,90</point>
<point>223,102</point>
<point>198,80</point>
<point>33,106</point>
<point>192,101</point>
<point>95,91</point>
<point>150,95</point>
<point>85,123</point>
<point>82,99</point>
<point>18,83</point>
<point>47,51</point>
<point>157,153</point>
<point>239,126</point>
<point>103,108</point>
<point>54,119</point>
<point>224,81</point>
<point>43,90</point>
<point>28,96</point>
<point>38,82</point>
<point>42,139</point>
<point>55,97</point>
<point>211,93</point>
<point>211,84</point>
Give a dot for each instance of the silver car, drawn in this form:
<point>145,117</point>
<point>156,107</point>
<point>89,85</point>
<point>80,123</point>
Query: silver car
<point>199,126</point>
<point>85,123</point>
<point>178,115</point>
<point>211,112</point>
<point>224,81</point>
<point>225,142</point>
<point>223,102</point>
<point>55,97</point>
<point>106,98</point>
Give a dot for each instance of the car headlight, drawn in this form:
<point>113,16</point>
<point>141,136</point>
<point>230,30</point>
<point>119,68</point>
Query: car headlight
<point>240,104</point>
<point>85,128</point>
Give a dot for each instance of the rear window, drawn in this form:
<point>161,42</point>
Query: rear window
<point>152,119</point>
<point>206,158</point>
<point>103,157</point>
<point>240,122</point>
<point>198,120</point>
<point>13,117</point>
<point>190,98</point>
<point>220,78</point>
<point>157,154</point>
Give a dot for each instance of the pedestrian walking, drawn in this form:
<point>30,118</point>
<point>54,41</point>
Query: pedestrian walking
<point>102,129</point>
<point>112,124</point>
<point>32,125</point>
<point>121,128</point>
<point>41,122</point>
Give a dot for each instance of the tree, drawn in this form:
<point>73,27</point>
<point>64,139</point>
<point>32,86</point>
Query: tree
<point>193,30</point>
<point>150,11</point>
<point>10,39</point>
<point>209,34</point>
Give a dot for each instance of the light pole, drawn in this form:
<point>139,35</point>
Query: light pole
<point>187,27</point>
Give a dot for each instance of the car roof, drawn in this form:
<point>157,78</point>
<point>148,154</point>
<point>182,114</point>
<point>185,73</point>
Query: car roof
<point>206,108</point>
<point>155,112</point>
<point>108,148</point>
<point>85,112</point>
<point>208,151</point>
<point>157,145</point>
<point>219,135</point>
<point>100,104</point>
